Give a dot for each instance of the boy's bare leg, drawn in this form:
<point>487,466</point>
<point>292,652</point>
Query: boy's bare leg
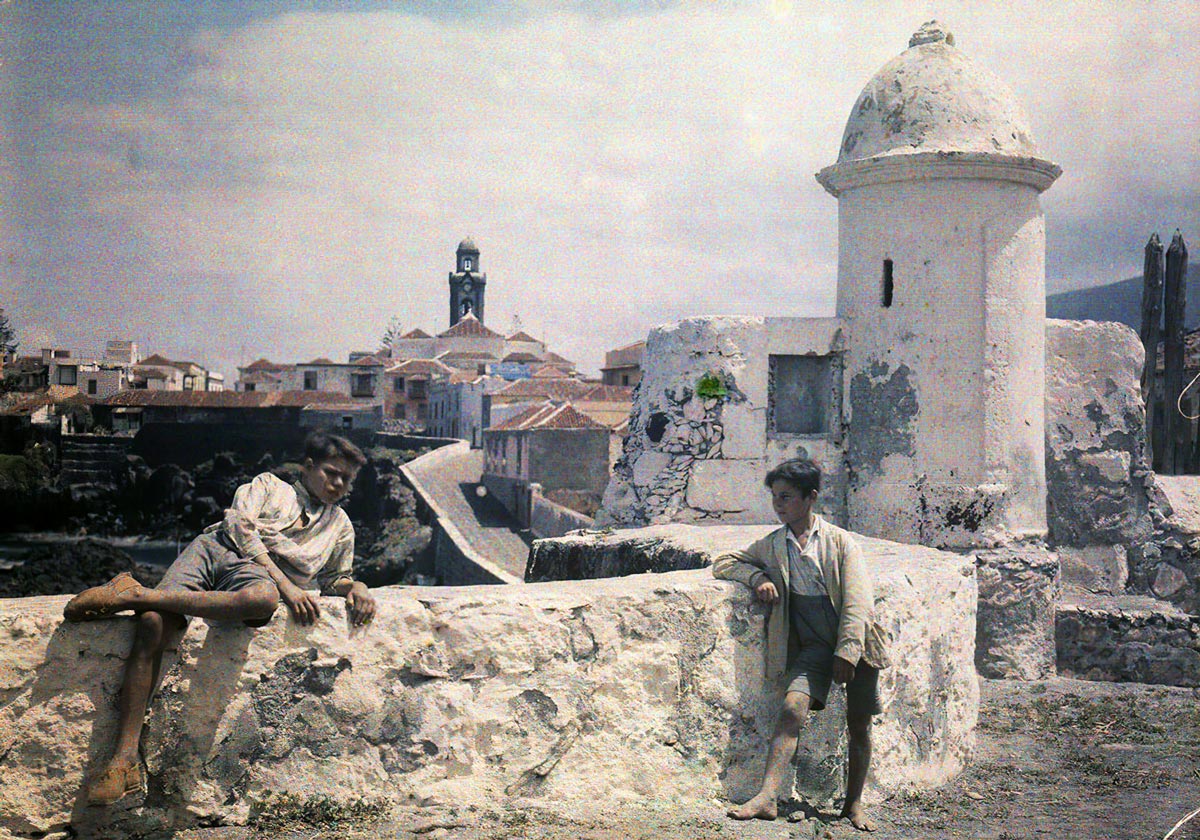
<point>253,602</point>
<point>765,806</point>
<point>122,774</point>
<point>858,727</point>
<point>156,630</point>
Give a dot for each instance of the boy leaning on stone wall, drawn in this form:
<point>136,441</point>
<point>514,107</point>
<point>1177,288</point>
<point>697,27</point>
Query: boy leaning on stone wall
<point>813,575</point>
<point>277,541</point>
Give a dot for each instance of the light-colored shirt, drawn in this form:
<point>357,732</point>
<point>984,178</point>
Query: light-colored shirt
<point>809,552</point>
<point>307,539</point>
<point>814,619</point>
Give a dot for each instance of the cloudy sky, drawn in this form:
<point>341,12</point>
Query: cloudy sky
<point>224,180</point>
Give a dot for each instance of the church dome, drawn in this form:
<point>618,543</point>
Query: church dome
<point>932,98</point>
<point>466,245</point>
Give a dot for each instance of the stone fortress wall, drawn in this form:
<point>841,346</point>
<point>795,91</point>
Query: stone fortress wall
<point>646,687</point>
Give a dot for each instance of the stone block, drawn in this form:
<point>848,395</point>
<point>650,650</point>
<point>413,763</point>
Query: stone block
<point>1095,436</point>
<point>1128,640</point>
<point>648,467</point>
<point>745,427</point>
<point>547,695</point>
<point>724,486</point>
<point>1018,586</point>
<point>1102,569</point>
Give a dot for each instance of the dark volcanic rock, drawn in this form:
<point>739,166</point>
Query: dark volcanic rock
<point>71,567</point>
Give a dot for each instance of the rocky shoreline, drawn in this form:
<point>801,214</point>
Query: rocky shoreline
<point>91,522</point>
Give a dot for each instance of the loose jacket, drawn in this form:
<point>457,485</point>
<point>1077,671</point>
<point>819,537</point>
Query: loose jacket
<point>847,580</point>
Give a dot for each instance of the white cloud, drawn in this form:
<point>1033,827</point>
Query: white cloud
<point>311,174</point>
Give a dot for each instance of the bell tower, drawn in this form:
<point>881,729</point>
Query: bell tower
<point>467,283</point>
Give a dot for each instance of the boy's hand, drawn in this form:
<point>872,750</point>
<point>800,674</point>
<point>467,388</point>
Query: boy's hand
<point>843,671</point>
<point>360,604</point>
<point>766,592</point>
<point>304,605</point>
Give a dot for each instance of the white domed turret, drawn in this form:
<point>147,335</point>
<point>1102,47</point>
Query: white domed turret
<point>941,287</point>
<point>932,98</point>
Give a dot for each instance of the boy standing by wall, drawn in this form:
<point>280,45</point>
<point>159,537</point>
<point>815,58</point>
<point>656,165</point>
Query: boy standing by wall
<point>278,540</point>
<point>813,575</point>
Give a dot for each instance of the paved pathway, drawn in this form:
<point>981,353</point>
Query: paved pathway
<point>452,481</point>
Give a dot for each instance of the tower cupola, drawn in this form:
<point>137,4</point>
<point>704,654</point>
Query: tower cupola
<point>941,288</point>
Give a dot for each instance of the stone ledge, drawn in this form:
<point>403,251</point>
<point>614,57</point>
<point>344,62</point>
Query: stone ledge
<point>644,687</point>
<point>1127,639</point>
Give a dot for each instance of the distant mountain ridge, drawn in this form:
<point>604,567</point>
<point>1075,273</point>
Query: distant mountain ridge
<point>1120,301</point>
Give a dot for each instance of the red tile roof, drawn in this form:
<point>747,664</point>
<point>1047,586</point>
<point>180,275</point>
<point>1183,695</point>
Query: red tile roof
<point>521,336</point>
<point>609,393</point>
<point>369,361</point>
<point>521,357</point>
<point>548,416</point>
<point>549,372</point>
<point>223,399</point>
<point>414,367</point>
<point>466,355</point>
<point>559,389</point>
<point>157,359</point>
<point>321,360</point>
<point>417,333</point>
<point>264,364</point>
<point>147,372</point>
<point>469,325</point>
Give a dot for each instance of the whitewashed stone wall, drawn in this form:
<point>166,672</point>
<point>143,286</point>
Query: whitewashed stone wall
<point>1100,502</point>
<point>693,459</point>
<point>647,687</point>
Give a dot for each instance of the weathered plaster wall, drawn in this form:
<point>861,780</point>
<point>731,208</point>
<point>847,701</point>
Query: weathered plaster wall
<point>1170,569</point>
<point>690,458</point>
<point>598,691</point>
<point>945,385</point>
<point>1099,505</point>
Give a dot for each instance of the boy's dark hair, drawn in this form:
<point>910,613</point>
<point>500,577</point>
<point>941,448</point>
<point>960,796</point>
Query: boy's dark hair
<point>801,473</point>
<point>322,446</point>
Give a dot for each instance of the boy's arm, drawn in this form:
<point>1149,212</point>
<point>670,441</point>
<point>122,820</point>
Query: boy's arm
<point>747,566</point>
<point>241,518</point>
<point>858,602</point>
<point>302,604</point>
<point>337,578</point>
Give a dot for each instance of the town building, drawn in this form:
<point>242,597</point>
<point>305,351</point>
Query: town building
<point>550,449</point>
<point>623,366</point>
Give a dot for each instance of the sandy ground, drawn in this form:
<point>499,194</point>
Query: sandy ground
<point>1055,759</point>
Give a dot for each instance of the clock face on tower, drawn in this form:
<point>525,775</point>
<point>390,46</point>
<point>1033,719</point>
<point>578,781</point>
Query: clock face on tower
<point>466,286</point>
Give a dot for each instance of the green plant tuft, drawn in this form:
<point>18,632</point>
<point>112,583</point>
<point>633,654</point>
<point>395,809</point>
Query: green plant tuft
<point>710,386</point>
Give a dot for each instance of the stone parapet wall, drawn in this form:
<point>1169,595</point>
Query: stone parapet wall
<point>1130,639</point>
<point>550,519</point>
<point>640,688</point>
<point>1018,588</point>
<point>1173,572</point>
<point>1100,503</point>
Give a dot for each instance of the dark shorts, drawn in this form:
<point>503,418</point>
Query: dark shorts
<point>211,564</point>
<point>815,678</point>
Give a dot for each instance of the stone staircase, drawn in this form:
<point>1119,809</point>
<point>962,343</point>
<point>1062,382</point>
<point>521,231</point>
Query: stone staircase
<point>1126,638</point>
<point>91,459</point>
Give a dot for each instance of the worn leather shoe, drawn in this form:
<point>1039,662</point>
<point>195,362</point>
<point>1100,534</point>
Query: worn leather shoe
<point>100,601</point>
<point>115,783</point>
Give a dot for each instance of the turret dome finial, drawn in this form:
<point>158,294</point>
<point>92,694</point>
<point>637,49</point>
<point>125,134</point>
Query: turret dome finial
<point>930,33</point>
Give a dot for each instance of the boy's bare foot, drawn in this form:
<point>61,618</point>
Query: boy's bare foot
<point>857,818</point>
<point>759,808</point>
<point>102,601</point>
<point>117,781</point>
